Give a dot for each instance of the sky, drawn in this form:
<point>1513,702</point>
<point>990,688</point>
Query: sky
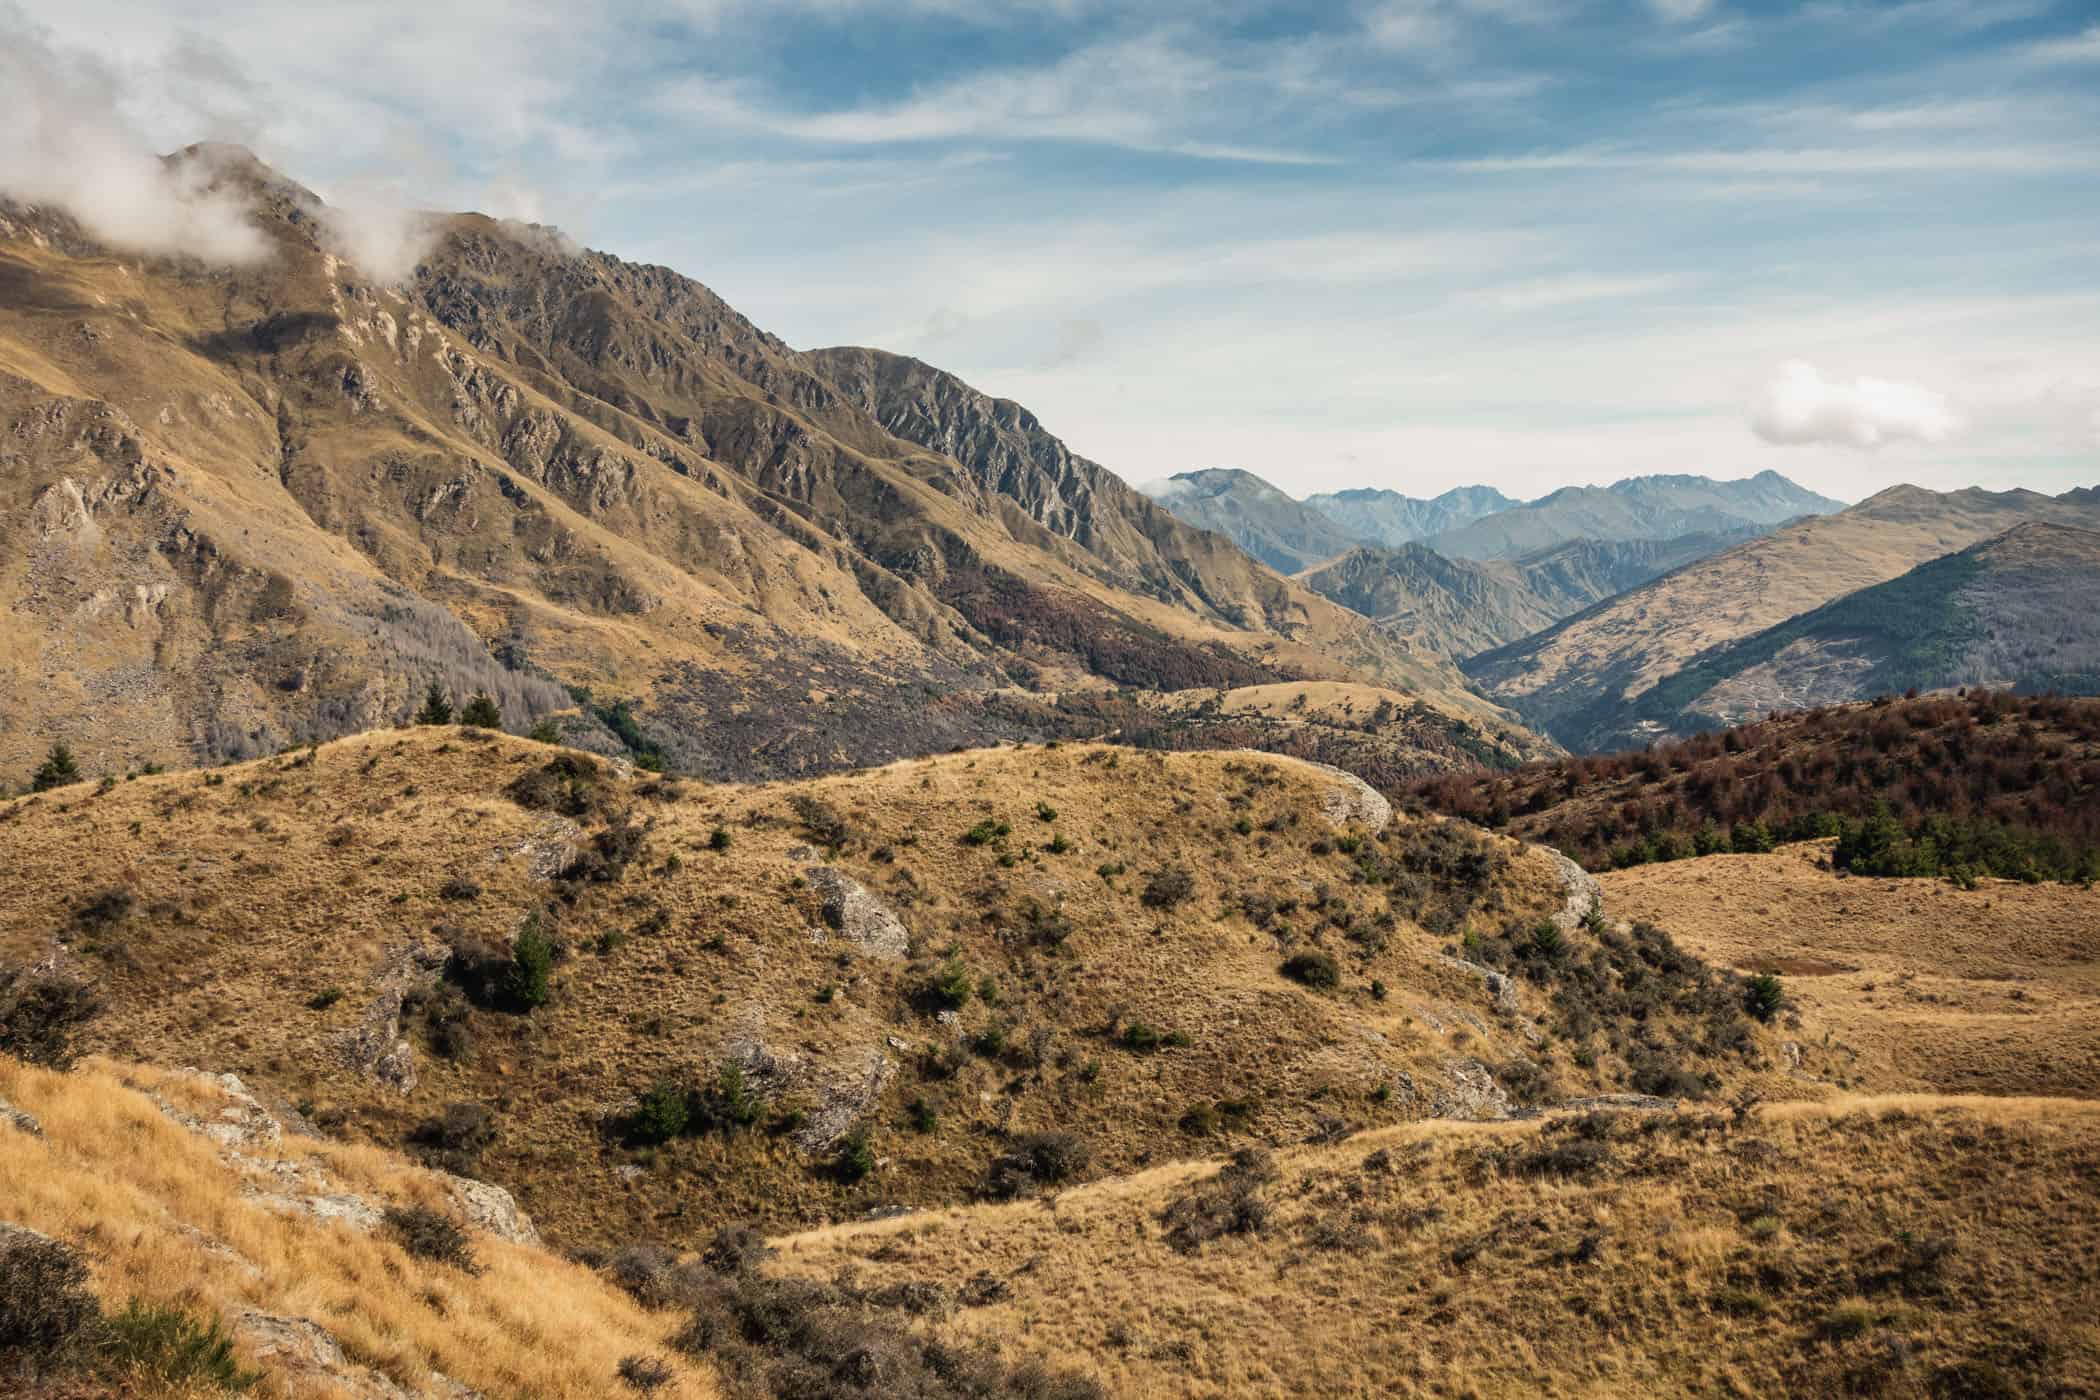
<point>1399,243</point>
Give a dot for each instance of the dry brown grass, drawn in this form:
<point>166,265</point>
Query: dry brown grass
<point>261,885</point>
<point>161,1217</point>
<point>1702,1257</point>
<point>1899,984</point>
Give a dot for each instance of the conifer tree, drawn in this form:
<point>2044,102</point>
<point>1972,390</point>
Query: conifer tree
<point>58,770</point>
<point>437,708</point>
<point>481,712</point>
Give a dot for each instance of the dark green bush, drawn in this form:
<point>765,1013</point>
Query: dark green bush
<point>432,1235</point>
<point>1314,969</point>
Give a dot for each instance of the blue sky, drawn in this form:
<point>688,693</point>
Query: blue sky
<point>1406,243</point>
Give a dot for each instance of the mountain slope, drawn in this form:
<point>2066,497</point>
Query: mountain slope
<point>1382,517</point>
<point>1459,607</point>
<point>1639,508</point>
<point>1283,533</point>
<point>246,507</point>
<point>2020,611</point>
<point>1448,605</point>
<point>1573,679</point>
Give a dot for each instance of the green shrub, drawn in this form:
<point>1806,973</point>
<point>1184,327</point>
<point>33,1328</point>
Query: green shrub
<point>1034,1161</point>
<point>1044,812</point>
<point>855,1159</point>
<point>1140,1037</point>
<point>481,712</point>
<point>1058,845</point>
<point>437,706</point>
<point>949,987</point>
<point>1314,969</point>
<point>1763,996</point>
<point>920,1115</point>
<point>545,731</point>
<point>1201,1120</point>
<point>169,1345</point>
<point>1846,1321</point>
<point>57,770</point>
<point>660,1114</point>
<point>718,839</point>
<point>45,1304</point>
<point>532,959</point>
<point>986,832</point>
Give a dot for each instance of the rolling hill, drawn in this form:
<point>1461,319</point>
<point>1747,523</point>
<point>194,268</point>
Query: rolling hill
<point>1574,679</point>
<point>251,506</point>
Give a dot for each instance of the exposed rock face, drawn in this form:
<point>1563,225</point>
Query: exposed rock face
<point>843,1101</point>
<point>1472,1094</point>
<point>864,921</point>
<point>375,1044</point>
<point>492,1209</point>
<point>304,1351</point>
<point>21,1122</point>
<point>1352,801</point>
<point>1580,891</point>
<point>1501,989</point>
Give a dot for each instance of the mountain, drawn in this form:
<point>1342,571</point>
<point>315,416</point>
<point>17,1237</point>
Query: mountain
<point>1452,606</point>
<point>2020,611</point>
<point>1286,534</point>
<point>1638,508</point>
<point>248,507</point>
<point>1575,678</point>
<point>1388,518</point>
<point>1459,607</point>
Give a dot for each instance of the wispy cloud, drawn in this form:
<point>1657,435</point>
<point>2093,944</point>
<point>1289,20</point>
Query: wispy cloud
<point>2083,47</point>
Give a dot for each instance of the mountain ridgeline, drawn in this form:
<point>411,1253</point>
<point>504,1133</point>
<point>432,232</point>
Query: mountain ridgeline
<point>248,507</point>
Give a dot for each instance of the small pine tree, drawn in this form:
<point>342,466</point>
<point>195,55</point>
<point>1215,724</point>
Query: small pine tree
<point>546,731</point>
<point>481,712</point>
<point>58,770</point>
<point>437,707</point>
<point>525,981</point>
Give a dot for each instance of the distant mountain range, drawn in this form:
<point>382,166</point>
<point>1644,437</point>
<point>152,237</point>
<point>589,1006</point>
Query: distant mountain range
<point>1386,517</point>
<point>1460,607</point>
<point>1638,508</point>
<point>1588,679</point>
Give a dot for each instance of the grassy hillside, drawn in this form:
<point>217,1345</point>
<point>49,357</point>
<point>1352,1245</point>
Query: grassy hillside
<point>665,1007</point>
<point>1908,984</point>
<point>1895,1247</point>
<point>1575,679</point>
<point>192,1220</point>
<point>1982,783</point>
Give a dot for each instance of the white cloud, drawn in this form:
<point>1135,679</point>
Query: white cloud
<point>2073,48</point>
<point>67,147</point>
<point>1800,407</point>
<point>1680,11</point>
<point>1545,293</point>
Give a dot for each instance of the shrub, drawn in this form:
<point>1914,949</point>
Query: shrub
<point>1763,996</point>
<point>44,1301</point>
<point>481,712</point>
<point>532,958</point>
<point>1034,1161</point>
<point>854,1160</point>
<point>986,832</point>
<point>734,1249</point>
<point>57,770</point>
<point>1167,888</point>
<point>920,1115</point>
<point>432,1235</point>
<point>570,783</point>
<point>949,987</point>
<point>39,1012</point>
<point>660,1114</point>
<point>821,821</point>
<point>169,1345</point>
<point>459,887</point>
<point>1846,1321</point>
<point>1201,1120</point>
<point>323,999</point>
<point>112,906</point>
<point>1044,812</point>
<point>647,1374</point>
<point>437,706</point>
<point>454,1139</point>
<point>728,1103</point>
<point>1314,969</point>
<point>718,839</point>
<point>1230,1203</point>
<point>1140,1037</point>
<point>545,731</point>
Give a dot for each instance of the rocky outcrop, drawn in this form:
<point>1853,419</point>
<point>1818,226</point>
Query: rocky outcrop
<point>1472,1093</point>
<point>303,1352</point>
<point>492,1210</point>
<point>375,1045</point>
<point>1352,801</point>
<point>843,1100</point>
<point>857,916</point>
<point>21,1122</point>
<point>1580,891</point>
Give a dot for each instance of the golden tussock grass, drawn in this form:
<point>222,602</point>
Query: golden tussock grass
<point>161,1217</point>
<point>1695,1254</point>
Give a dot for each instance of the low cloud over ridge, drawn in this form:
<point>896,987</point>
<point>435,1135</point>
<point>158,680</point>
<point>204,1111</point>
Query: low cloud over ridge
<point>1801,407</point>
